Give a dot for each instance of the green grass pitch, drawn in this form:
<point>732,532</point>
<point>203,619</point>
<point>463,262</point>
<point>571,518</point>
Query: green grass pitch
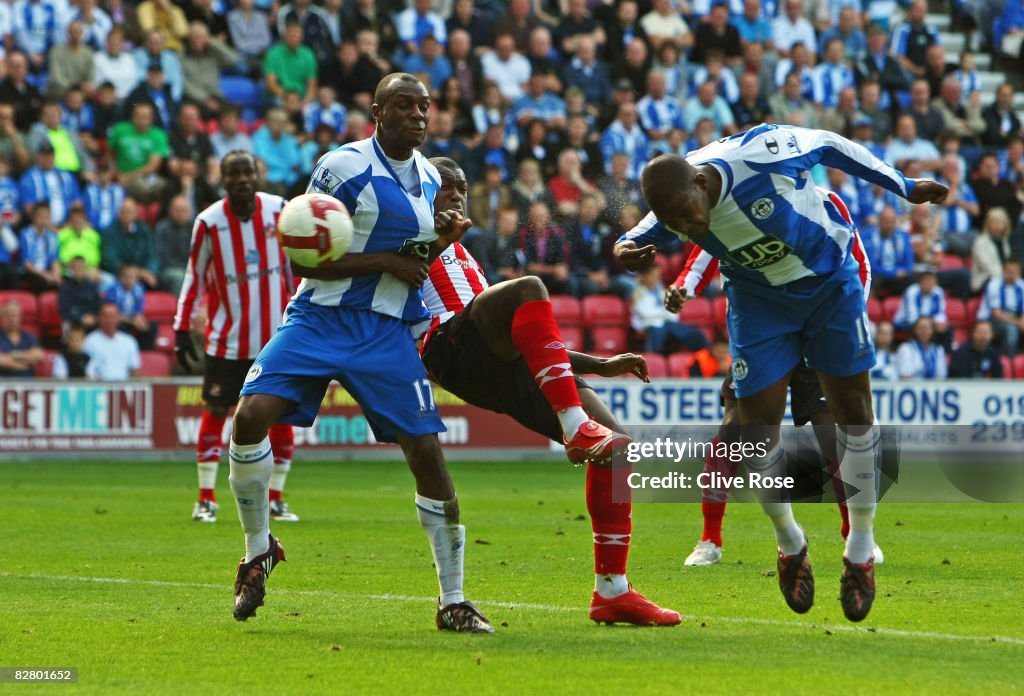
<point>103,570</point>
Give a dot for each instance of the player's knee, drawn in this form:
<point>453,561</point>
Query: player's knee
<point>250,425</point>
<point>530,288</point>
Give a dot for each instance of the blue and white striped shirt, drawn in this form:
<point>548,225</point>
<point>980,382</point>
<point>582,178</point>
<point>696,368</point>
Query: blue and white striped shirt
<point>999,295</point>
<point>35,26</point>
<point>916,304</point>
<point>385,217</point>
<point>40,250</point>
<point>57,186</point>
<point>771,225</point>
<point>660,114</point>
<point>829,81</point>
<point>335,116</point>
<point>954,218</point>
<point>130,301</point>
<point>102,204</point>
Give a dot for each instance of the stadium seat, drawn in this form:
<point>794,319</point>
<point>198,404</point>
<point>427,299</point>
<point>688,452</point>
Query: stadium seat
<point>972,309</point>
<point>160,307</point>
<point>679,364</point>
<point>961,335</point>
<point>697,312</point>
<point>1018,366</point>
<point>890,306</point>
<point>50,323</point>
<point>243,91</point>
<point>657,366</point>
<point>951,262</point>
<point>572,337</point>
<point>667,273</point>
<point>1008,371</point>
<point>605,310</point>
<point>27,301</point>
<point>567,310</point>
<point>956,312</point>
<point>155,364</point>
<point>164,338</point>
<point>45,368</point>
<point>608,339</point>
<point>875,310</point>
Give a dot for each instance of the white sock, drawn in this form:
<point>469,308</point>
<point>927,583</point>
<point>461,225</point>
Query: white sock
<point>207,474</point>
<point>857,470</point>
<point>571,419</point>
<point>279,474</point>
<point>447,544</point>
<point>250,473</point>
<point>609,586</point>
<point>788,534</point>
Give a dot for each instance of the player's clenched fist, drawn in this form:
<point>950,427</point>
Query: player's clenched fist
<point>635,259</point>
<point>675,298</point>
<point>928,191</point>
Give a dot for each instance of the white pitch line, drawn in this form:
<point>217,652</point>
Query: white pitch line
<point>895,632</point>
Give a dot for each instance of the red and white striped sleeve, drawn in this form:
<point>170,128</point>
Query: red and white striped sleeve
<point>192,287</point>
<point>698,272</point>
<point>864,264</point>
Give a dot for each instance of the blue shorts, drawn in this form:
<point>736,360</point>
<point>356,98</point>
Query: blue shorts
<point>371,354</point>
<point>821,321</point>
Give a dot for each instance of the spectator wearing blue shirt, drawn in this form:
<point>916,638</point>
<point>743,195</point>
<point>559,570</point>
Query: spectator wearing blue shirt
<point>659,114</point>
<point>714,70</point>
<point>77,116</point>
<point>911,38</point>
<point>325,110</point>
<point>891,253</point>
<point>832,76</point>
<point>441,143</point>
<point>10,195</point>
<point>39,251</point>
<point>429,61</point>
<point>753,24</point>
<point>155,90</point>
<point>19,350</point>
<point>539,104</point>
<point>35,25</point>
<point>129,295</point>
<point>924,299</point>
<point>1003,305</point>
<point>589,74</point>
<point>103,199</point>
<point>855,42</point>
<point>153,52</point>
<point>418,21</point>
<point>625,135</point>
<point>958,211</point>
<point>44,182</point>
<point>278,150</point>
<point>707,104</point>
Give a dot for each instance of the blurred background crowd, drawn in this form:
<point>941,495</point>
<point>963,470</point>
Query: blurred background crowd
<point>114,115</point>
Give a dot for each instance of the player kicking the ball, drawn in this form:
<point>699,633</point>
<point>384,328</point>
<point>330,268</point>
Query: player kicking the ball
<point>793,294</point>
<point>357,332</point>
<point>236,261</point>
<point>806,398</point>
<point>498,348</point>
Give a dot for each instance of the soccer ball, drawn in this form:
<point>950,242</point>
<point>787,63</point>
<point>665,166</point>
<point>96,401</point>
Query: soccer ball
<point>314,228</point>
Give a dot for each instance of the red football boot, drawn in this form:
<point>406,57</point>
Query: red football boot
<point>633,608</point>
<point>593,443</point>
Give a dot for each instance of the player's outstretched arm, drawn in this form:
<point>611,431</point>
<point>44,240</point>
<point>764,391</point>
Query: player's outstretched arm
<point>635,258</point>
<point>637,248</point>
<point>450,226</point>
<point>623,364</point>
<point>408,268</point>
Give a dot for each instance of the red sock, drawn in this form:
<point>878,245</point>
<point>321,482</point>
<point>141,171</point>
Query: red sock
<point>612,522</point>
<point>832,467</point>
<point>536,335</point>
<point>282,442</point>
<point>208,446</point>
<point>713,500</point>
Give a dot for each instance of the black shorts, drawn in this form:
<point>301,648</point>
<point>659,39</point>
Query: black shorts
<point>806,397</point>
<point>223,379</point>
<point>459,360</point>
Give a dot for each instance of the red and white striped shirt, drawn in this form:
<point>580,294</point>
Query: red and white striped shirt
<point>455,278</point>
<point>243,271</point>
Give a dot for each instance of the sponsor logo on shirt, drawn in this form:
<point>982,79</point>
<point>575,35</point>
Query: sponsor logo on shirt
<point>323,180</point>
<point>791,143</point>
<point>254,372</point>
<point>773,145</point>
<point>763,252</point>
<point>252,257</point>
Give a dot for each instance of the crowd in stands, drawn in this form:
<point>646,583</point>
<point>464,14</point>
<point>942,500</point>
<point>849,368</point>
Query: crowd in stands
<point>114,115</point>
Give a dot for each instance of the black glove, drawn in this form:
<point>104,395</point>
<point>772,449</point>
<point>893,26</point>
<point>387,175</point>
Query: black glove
<point>184,350</point>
